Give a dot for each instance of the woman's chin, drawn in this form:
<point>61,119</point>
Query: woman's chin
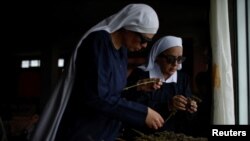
<point>172,72</point>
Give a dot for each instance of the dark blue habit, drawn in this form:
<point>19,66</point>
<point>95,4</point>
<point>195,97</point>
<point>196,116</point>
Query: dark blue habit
<point>159,100</point>
<point>95,109</point>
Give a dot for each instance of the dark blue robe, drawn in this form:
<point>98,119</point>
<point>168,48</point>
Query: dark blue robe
<point>95,109</point>
<point>159,100</point>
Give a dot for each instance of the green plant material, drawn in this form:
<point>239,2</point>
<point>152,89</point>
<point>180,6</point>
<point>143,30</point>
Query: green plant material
<point>195,98</point>
<point>171,114</point>
<point>139,84</point>
<point>168,136</point>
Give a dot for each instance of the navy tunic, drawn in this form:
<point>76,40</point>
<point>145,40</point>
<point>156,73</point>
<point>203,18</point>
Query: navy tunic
<point>95,109</point>
<point>159,100</point>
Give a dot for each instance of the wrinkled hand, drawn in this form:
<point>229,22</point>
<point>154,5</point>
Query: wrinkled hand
<point>149,84</point>
<point>192,106</point>
<point>180,102</point>
<point>154,120</point>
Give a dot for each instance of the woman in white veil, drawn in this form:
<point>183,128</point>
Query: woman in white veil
<point>86,104</point>
<point>174,96</point>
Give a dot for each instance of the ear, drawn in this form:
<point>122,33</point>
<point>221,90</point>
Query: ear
<point>179,67</point>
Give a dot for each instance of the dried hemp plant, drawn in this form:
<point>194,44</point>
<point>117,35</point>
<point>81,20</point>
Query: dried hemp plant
<point>144,82</point>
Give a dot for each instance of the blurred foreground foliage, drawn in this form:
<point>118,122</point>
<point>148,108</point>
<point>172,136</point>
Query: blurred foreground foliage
<point>166,136</point>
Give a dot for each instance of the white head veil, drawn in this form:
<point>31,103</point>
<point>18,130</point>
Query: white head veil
<point>135,17</point>
<point>160,46</point>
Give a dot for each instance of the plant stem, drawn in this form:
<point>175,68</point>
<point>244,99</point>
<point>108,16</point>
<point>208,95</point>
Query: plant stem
<point>139,84</point>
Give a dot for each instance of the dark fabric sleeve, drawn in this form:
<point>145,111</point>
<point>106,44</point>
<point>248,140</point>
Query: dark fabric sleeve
<point>184,120</point>
<point>96,83</point>
<point>183,85</point>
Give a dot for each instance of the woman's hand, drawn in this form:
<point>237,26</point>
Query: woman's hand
<point>180,102</point>
<point>192,106</point>
<point>149,84</point>
<point>154,120</point>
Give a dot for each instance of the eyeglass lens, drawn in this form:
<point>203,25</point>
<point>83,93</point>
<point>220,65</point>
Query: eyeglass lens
<point>172,59</point>
<point>143,38</point>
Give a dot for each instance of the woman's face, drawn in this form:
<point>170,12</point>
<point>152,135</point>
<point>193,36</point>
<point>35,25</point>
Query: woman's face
<point>169,60</point>
<point>135,41</point>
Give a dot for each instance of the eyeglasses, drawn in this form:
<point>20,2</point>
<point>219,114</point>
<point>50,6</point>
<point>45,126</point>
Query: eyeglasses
<point>143,38</point>
<point>172,59</point>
